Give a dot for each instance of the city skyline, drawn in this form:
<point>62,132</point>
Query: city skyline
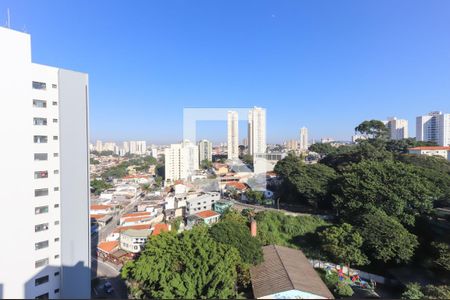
<point>291,58</point>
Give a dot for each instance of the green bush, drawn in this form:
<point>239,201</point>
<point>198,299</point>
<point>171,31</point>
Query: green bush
<point>343,290</point>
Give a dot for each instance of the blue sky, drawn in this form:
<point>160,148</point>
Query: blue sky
<point>326,65</point>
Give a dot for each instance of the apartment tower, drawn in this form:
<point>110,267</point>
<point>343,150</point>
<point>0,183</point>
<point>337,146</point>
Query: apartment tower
<point>257,131</point>
<point>205,150</point>
<point>434,127</point>
<point>233,135</point>
<point>303,145</point>
<point>44,219</point>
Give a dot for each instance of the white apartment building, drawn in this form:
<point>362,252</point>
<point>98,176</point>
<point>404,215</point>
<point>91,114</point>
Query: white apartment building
<point>257,131</point>
<point>126,147</point>
<point>99,146</point>
<point>398,128</point>
<point>201,202</point>
<point>138,147</point>
<point>181,161</point>
<point>303,146</point>
<point>434,127</point>
<point>45,176</point>
<point>233,134</point>
<point>292,145</point>
<point>205,150</point>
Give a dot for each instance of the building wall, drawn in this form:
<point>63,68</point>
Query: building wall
<point>434,127</point>
<point>257,130</point>
<point>233,135</point>
<point>202,203</point>
<point>74,159</point>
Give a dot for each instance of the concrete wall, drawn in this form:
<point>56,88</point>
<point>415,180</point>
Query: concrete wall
<point>74,160</point>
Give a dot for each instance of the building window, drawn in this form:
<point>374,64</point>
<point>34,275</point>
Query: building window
<point>41,280</point>
<point>56,189</point>
<point>40,156</point>
<point>56,222</point>
<point>56,172</point>
<point>41,263</point>
<point>56,257</point>
<point>54,103</point>
<point>40,121</point>
<point>54,86</point>
<point>40,227</point>
<point>55,120</point>
<point>40,139</point>
<point>55,137</point>
<point>41,245</point>
<point>55,154</point>
<point>56,273</point>
<point>41,210</point>
<point>56,205</point>
<point>40,192</point>
<point>39,85</point>
<point>40,174</point>
<point>43,296</point>
<point>56,240</point>
<point>39,103</point>
<point>56,291</point>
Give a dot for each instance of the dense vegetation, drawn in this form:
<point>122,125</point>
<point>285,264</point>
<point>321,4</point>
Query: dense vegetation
<point>383,200</point>
<point>139,164</point>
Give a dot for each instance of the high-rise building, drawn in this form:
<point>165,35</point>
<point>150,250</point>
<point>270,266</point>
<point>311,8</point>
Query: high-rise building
<point>141,147</point>
<point>205,150</point>
<point>398,128</point>
<point>257,131</point>
<point>233,135</point>
<point>44,219</point>
<point>181,160</point>
<point>292,145</point>
<point>434,127</point>
<point>99,146</point>
<point>109,146</point>
<point>303,145</point>
<point>126,147</point>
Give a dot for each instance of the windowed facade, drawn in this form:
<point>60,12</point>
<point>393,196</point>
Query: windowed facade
<point>40,192</point>
<point>41,280</point>
<point>40,121</point>
<point>39,103</point>
<point>39,85</point>
<point>41,263</point>
<point>40,174</point>
<point>41,227</point>
<point>41,210</point>
<point>41,245</point>
<point>41,156</point>
<point>40,139</point>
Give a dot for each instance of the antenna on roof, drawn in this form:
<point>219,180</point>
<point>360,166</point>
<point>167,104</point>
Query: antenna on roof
<point>8,19</point>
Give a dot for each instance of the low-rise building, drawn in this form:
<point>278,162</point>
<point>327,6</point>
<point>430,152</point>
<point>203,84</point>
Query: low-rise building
<point>201,203</point>
<point>103,209</point>
<point>133,240</point>
<point>431,151</point>
<point>208,217</point>
<point>222,206</point>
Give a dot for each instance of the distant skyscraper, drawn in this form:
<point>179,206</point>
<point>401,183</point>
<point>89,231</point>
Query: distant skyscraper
<point>44,219</point>
<point>398,128</point>
<point>292,145</point>
<point>205,150</point>
<point>233,135</point>
<point>303,146</point>
<point>126,147</point>
<point>99,146</point>
<point>434,127</point>
<point>181,160</point>
<point>257,131</point>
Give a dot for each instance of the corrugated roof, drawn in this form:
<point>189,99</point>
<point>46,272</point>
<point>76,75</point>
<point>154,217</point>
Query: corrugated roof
<point>286,269</point>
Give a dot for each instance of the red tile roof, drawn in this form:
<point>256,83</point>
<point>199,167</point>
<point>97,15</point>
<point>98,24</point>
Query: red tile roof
<point>127,220</point>
<point>237,185</point>
<point>99,206</point>
<point>160,228</point>
<point>136,214</point>
<point>431,148</point>
<point>207,214</point>
<point>97,216</point>
<point>108,247</point>
<point>136,227</point>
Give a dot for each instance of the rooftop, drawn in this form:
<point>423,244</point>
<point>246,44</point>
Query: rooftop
<point>136,227</point>
<point>108,247</point>
<point>286,269</point>
<point>136,214</point>
<point>137,232</point>
<point>99,206</point>
<point>237,185</point>
<point>207,214</point>
<point>431,148</point>
<point>161,227</point>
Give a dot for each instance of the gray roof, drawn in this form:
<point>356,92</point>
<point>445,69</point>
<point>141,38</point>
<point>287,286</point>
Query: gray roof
<point>286,269</point>
<point>137,232</point>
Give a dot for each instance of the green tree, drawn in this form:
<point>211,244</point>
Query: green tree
<point>343,290</point>
<point>374,129</point>
<point>93,161</point>
<point>189,265</point>
<point>247,159</point>
<point>391,186</point>
<point>255,196</point>
<point>206,164</point>
<point>412,291</point>
<point>343,243</point>
<point>237,234</point>
<point>436,292</point>
<point>98,186</point>
<point>322,148</point>
<point>385,239</point>
<point>290,163</point>
<point>442,255</point>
